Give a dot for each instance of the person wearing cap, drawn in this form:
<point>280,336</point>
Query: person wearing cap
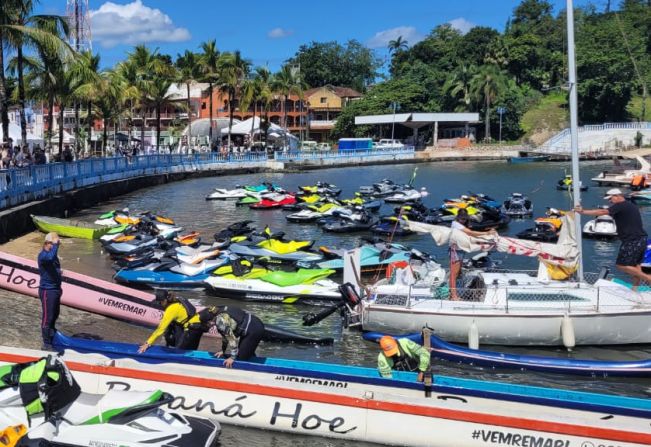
<point>49,288</point>
<point>241,333</point>
<point>180,324</point>
<point>630,231</point>
<point>456,258</point>
<point>402,355</point>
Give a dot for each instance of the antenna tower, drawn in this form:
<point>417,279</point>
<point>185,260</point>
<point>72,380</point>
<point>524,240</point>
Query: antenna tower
<point>79,22</point>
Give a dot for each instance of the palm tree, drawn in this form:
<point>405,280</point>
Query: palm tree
<point>209,61</point>
<point>189,72</point>
<point>265,97</point>
<point>129,74</point>
<point>233,69</point>
<point>286,83</point>
<point>87,91</point>
<point>111,88</point>
<point>398,44</point>
<point>20,29</point>
<point>487,84</point>
<point>8,12</point>
<point>146,65</point>
<point>160,97</point>
<point>459,86</point>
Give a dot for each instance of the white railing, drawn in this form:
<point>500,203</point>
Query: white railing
<point>560,143</point>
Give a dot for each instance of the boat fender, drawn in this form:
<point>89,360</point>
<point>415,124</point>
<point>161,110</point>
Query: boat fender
<point>567,332</point>
<point>473,336</point>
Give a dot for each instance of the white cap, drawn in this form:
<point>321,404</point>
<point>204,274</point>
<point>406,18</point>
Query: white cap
<point>613,192</point>
<point>51,237</point>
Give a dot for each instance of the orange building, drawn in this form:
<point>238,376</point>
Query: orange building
<point>297,111</point>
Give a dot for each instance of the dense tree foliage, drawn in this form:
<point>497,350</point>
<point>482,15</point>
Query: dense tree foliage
<point>350,65</point>
<point>518,68</point>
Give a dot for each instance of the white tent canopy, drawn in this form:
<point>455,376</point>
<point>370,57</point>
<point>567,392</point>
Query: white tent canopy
<point>244,127</point>
<point>67,138</point>
<point>14,134</point>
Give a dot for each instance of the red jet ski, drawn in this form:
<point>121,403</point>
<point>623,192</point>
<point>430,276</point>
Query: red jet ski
<point>275,201</point>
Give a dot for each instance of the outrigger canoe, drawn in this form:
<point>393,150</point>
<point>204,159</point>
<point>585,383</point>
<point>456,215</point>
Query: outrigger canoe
<point>69,227</point>
<point>448,351</point>
<point>354,403</point>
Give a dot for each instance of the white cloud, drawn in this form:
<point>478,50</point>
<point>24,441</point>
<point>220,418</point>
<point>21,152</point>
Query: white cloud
<point>462,25</point>
<point>381,39</point>
<point>278,33</point>
<point>133,23</point>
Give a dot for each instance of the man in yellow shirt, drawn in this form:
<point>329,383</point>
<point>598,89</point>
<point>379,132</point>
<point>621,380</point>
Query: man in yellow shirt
<point>180,324</point>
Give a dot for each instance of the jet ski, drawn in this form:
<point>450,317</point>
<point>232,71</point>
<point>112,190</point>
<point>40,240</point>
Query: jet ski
<point>275,249</point>
<point>170,272</point>
<point>322,188</point>
<point>274,286</point>
<point>359,220</point>
<point>392,226</point>
<point>117,217</point>
<point>313,212</point>
<point>565,184</point>
<point>485,200</point>
<point>542,232</point>
<point>646,262</point>
<point>44,396</point>
<point>517,206</point>
<point>274,201</point>
<point>603,227</point>
<point>136,244</point>
<point>406,195</point>
<point>382,188</point>
<point>231,194</point>
<point>373,255</point>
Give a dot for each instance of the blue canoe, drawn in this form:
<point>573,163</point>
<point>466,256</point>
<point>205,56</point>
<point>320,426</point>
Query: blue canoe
<point>448,351</point>
<point>602,403</point>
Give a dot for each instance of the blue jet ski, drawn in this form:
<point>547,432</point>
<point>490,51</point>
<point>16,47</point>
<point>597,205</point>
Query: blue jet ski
<point>379,254</point>
<point>448,351</point>
<point>170,274</point>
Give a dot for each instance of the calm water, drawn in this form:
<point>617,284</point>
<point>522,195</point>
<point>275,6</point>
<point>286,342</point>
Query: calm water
<point>185,202</point>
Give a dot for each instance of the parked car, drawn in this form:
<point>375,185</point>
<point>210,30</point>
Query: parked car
<point>323,147</point>
<point>309,145</point>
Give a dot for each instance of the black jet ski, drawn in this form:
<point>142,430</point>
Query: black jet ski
<point>542,232</point>
<point>358,221</point>
<point>517,205</point>
<point>392,226</point>
<point>565,184</point>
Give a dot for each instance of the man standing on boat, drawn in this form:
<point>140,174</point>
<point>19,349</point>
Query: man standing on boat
<point>49,288</point>
<point>181,325</point>
<point>402,355</point>
<point>241,333</point>
<point>630,231</point>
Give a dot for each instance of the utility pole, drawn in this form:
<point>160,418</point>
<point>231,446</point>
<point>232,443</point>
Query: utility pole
<point>395,106</point>
<point>501,111</point>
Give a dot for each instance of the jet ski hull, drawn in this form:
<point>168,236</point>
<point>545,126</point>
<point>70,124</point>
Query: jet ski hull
<point>146,278</point>
<point>264,292</point>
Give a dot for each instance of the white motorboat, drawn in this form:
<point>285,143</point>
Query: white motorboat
<point>513,308</point>
<point>626,177</point>
<point>407,195</point>
<point>603,227</point>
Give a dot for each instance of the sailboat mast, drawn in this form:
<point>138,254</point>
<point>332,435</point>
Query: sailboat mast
<point>574,129</point>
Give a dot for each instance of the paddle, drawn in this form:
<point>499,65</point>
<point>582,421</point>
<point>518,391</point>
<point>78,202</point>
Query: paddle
<point>427,379</point>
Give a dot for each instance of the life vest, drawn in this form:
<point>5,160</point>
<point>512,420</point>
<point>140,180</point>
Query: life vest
<point>45,385</point>
<point>404,362</point>
<point>189,309</point>
<point>241,317</point>
<point>638,182</point>
<point>395,265</point>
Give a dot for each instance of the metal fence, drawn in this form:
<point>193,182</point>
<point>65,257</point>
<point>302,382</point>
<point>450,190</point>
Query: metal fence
<point>21,185</point>
<point>341,155</point>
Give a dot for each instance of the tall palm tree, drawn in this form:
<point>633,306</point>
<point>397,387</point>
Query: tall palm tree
<point>209,60</point>
<point>286,83</point>
<point>146,64</point>
<point>129,74</point>
<point>263,78</point>
<point>8,11</point>
<point>459,86</point>
<point>233,69</point>
<point>487,84</point>
<point>398,44</point>
<point>188,72</point>
<point>160,97</point>
<point>112,89</point>
<point>20,29</point>
<point>87,91</point>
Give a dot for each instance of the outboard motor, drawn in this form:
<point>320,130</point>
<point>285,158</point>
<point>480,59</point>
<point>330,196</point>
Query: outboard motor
<point>349,298</point>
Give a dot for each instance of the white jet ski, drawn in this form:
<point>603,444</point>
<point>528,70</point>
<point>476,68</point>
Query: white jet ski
<point>603,227</point>
<point>44,397</point>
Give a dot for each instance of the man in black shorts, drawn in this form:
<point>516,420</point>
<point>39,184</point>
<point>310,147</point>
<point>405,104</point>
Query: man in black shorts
<point>630,231</point>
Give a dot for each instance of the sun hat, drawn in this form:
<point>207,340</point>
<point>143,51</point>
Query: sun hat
<point>389,345</point>
<point>613,192</point>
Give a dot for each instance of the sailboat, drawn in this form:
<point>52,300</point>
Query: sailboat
<point>555,305</point>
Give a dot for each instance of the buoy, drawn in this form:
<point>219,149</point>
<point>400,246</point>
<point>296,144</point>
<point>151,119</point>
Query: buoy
<point>567,332</point>
<point>473,336</point>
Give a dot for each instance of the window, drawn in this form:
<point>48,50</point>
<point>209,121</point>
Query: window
<point>324,100</point>
<point>203,106</point>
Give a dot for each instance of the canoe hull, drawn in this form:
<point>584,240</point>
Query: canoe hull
<point>279,397</point>
<point>74,229</point>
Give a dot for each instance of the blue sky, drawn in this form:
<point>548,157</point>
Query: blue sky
<point>268,33</point>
